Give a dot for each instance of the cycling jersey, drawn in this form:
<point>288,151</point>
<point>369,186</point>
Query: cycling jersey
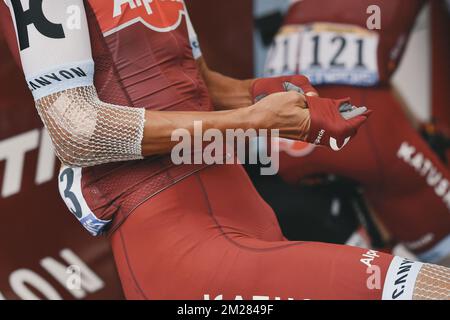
<point>159,73</point>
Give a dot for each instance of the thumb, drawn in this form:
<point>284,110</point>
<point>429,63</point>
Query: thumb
<point>368,113</point>
<point>353,113</point>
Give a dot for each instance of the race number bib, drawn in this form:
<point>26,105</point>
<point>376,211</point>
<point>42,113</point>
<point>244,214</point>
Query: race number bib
<point>69,182</point>
<point>326,53</point>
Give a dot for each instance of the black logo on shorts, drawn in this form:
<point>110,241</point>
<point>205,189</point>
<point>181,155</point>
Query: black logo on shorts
<point>35,16</point>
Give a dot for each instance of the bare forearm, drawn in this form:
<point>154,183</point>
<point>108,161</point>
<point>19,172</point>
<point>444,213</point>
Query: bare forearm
<point>285,112</point>
<point>226,93</point>
<point>160,125</point>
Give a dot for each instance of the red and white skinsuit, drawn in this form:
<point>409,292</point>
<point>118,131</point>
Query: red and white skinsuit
<point>186,232</point>
<point>404,181</point>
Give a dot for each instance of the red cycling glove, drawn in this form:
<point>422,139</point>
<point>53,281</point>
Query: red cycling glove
<point>334,122</point>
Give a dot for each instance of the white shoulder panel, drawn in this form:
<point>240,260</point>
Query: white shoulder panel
<point>54,44</point>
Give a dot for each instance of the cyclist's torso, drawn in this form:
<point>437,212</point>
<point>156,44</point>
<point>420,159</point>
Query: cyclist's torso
<point>145,56</point>
<point>143,59</point>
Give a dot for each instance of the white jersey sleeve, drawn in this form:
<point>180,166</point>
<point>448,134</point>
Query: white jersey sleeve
<point>55,50</point>
<point>54,44</point>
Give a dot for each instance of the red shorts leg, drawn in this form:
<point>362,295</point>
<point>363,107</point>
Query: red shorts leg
<point>211,236</point>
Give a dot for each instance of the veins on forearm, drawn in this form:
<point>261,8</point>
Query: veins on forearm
<point>226,93</point>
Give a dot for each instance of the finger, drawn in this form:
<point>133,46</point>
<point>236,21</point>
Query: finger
<point>260,97</point>
<point>306,89</point>
<point>346,107</point>
<point>312,94</point>
<point>354,113</point>
<point>309,89</point>
<point>288,86</point>
<point>368,113</point>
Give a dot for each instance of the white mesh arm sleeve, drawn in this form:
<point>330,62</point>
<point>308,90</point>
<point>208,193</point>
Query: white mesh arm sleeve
<point>433,283</point>
<point>411,280</point>
<point>86,131</point>
<point>59,69</point>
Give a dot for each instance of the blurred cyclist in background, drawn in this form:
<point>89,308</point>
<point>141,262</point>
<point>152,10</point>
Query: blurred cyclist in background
<point>405,183</point>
